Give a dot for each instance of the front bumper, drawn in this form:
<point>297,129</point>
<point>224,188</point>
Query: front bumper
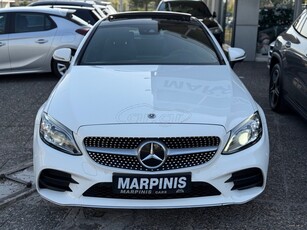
<point>87,173</point>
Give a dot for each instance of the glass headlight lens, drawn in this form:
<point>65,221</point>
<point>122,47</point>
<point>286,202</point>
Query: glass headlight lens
<point>244,135</point>
<point>57,135</point>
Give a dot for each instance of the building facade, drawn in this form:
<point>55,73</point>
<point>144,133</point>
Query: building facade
<point>6,3</point>
<point>254,24</point>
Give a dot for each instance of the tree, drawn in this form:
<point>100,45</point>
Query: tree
<point>143,4</point>
<point>23,3</point>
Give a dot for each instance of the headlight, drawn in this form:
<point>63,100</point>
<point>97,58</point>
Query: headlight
<point>57,135</point>
<point>244,135</point>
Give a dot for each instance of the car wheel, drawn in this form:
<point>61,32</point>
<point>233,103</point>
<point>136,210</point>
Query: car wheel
<point>276,99</point>
<point>59,68</point>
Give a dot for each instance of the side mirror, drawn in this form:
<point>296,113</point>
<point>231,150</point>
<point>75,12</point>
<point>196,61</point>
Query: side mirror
<point>236,55</point>
<point>63,54</point>
<point>214,14</point>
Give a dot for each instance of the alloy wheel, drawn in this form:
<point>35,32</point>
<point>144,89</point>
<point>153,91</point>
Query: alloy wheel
<point>275,88</point>
<point>61,68</point>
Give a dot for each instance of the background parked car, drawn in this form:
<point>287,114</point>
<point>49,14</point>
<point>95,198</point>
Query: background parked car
<point>89,11</point>
<point>198,9</point>
<point>288,68</point>
<point>29,36</point>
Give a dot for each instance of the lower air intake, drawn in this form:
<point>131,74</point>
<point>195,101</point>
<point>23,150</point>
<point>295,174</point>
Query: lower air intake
<point>198,189</point>
<point>55,180</point>
<point>247,178</point>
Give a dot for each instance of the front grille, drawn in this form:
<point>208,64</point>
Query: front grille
<point>186,151</point>
<point>134,142</point>
<point>198,189</point>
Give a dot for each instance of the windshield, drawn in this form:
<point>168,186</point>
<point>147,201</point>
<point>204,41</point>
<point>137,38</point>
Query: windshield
<point>196,8</point>
<point>153,42</point>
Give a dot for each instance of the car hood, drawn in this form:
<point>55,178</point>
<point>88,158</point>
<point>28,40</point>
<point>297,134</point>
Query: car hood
<point>100,95</point>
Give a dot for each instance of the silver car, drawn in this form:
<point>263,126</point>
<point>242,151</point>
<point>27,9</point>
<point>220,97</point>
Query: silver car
<point>30,35</point>
<point>90,11</point>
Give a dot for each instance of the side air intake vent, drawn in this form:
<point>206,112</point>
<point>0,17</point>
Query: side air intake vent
<point>247,178</point>
<point>55,180</point>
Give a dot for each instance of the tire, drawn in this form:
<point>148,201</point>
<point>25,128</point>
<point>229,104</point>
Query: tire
<point>276,97</point>
<point>59,68</point>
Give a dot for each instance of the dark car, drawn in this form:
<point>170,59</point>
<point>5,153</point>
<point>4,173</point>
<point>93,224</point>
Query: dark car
<point>196,8</point>
<point>288,68</point>
<point>89,11</point>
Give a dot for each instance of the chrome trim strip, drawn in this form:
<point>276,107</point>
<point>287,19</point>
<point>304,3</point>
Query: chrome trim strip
<point>128,152</point>
<point>170,152</point>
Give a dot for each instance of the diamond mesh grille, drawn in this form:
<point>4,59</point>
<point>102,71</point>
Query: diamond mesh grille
<point>172,162</point>
<point>124,161</point>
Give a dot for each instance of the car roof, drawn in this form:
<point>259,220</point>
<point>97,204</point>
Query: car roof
<point>58,12</point>
<point>150,14</point>
<point>69,3</point>
<point>182,1</point>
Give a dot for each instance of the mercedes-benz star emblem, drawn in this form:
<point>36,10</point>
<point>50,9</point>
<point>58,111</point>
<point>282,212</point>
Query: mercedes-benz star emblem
<point>152,154</point>
<point>151,116</point>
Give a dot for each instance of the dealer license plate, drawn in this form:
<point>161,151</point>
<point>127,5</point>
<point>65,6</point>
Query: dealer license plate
<point>151,184</point>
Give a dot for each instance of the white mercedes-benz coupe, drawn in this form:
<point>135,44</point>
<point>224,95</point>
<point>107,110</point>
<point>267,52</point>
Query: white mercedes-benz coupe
<point>150,115</point>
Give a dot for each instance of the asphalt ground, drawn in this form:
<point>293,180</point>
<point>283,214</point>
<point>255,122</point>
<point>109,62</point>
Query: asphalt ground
<point>283,205</point>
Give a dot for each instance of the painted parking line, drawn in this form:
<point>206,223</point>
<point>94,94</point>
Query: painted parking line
<point>16,183</point>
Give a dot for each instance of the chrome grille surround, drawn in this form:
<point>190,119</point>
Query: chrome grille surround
<point>134,142</point>
<point>122,152</point>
